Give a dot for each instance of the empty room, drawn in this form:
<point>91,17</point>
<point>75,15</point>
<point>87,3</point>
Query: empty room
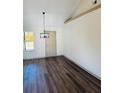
<point>61,46</point>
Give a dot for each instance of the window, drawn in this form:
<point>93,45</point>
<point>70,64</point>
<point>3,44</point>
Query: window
<point>29,41</point>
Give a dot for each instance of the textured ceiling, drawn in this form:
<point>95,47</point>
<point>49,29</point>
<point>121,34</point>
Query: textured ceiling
<point>57,11</point>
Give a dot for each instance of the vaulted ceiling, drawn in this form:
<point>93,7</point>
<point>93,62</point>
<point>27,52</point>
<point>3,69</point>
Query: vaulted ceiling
<point>57,11</point>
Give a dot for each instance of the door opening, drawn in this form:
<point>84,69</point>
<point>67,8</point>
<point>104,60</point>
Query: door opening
<point>50,44</point>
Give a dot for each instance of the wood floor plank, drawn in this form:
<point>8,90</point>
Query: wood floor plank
<point>57,75</point>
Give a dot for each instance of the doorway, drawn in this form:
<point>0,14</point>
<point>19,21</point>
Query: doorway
<point>50,44</point>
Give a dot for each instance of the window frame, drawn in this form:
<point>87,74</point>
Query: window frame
<point>26,41</point>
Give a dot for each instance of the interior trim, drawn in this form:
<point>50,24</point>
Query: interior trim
<point>82,14</point>
<point>99,78</point>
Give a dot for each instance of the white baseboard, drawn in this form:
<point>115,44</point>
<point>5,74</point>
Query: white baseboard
<point>84,68</point>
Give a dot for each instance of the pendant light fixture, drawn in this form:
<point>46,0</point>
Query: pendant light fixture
<point>44,34</point>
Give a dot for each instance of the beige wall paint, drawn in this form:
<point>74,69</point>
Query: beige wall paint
<point>82,42</point>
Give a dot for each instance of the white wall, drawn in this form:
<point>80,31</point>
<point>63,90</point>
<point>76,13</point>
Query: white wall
<point>82,42</point>
<point>39,46</point>
<point>79,40</point>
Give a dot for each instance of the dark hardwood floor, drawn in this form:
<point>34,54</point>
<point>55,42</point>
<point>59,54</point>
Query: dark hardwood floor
<point>57,75</point>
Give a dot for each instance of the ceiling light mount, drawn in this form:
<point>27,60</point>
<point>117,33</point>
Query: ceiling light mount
<point>43,13</point>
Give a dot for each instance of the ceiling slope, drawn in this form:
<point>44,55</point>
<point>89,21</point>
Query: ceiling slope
<point>57,11</point>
